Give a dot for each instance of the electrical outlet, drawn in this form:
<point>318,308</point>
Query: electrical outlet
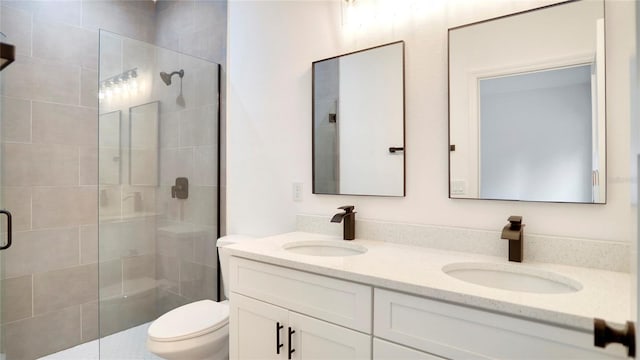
<point>297,191</point>
<point>458,187</point>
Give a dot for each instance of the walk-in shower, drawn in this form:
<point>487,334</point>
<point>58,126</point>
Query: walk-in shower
<point>156,252</point>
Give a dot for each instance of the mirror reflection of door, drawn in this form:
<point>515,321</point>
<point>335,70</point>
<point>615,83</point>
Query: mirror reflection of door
<point>359,123</point>
<point>527,106</point>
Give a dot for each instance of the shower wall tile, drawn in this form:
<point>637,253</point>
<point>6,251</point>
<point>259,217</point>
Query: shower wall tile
<point>18,200</point>
<point>89,88</point>
<point>127,238</point>
<point>175,163</point>
<point>16,24</point>
<point>90,321</point>
<point>168,301</point>
<point>110,283</point>
<point>198,127</point>
<point>42,335</point>
<point>205,249</point>
<point>205,170</point>
<point>58,289</point>
<point>88,244</point>
<point>138,273</point>
<point>16,120</point>
<point>167,273</point>
<point>64,43</point>
<point>117,314</point>
<point>88,158</point>
<point>197,282</point>
<point>64,206</point>
<point>64,124</point>
<point>41,251</point>
<point>201,207</point>
<point>110,56</point>
<point>124,17</point>
<point>17,298</point>
<point>169,129</point>
<point>66,11</point>
<point>35,79</point>
<point>40,164</point>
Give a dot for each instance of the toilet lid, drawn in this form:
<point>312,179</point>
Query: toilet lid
<point>191,320</point>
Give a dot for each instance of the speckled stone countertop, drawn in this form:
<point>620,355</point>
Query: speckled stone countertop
<point>418,270</point>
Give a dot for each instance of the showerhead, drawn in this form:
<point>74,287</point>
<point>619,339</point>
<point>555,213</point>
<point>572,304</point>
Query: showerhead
<point>166,78</point>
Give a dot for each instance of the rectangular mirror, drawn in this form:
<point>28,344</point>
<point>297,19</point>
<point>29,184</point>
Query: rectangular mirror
<point>527,106</point>
<point>109,148</point>
<point>143,149</point>
<point>358,123</point>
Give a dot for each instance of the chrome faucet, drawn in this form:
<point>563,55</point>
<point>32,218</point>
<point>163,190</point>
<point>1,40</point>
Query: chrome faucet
<point>349,218</point>
<point>514,232</point>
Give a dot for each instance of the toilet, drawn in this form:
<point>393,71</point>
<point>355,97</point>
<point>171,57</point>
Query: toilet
<point>198,330</point>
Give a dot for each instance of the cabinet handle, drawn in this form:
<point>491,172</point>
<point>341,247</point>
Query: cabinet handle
<point>278,345</point>
<point>291,349</point>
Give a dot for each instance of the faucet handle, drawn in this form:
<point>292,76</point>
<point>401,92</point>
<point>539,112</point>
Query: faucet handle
<point>516,221</point>
<point>347,208</point>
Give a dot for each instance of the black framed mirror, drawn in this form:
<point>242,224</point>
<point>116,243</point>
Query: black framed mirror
<point>358,123</point>
<point>527,106</point>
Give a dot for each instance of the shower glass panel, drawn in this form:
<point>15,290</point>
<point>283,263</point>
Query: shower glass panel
<point>156,252</point>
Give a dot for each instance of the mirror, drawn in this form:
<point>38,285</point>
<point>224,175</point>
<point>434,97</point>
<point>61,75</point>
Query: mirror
<point>143,149</point>
<point>358,123</point>
<point>109,148</point>
<point>527,106</point>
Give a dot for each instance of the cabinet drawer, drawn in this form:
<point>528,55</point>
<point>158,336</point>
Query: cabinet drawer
<point>384,350</point>
<point>336,301</point>
<point>455,332</point>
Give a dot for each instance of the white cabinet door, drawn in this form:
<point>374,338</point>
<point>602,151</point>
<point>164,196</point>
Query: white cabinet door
<point>316,339</point>
<point>253,329</point>
<point>384,350</point>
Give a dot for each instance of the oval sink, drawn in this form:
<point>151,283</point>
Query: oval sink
<point>512,277</point>
<point>324,248</point>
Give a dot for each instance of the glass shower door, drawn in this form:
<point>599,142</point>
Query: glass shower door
<point>158,188</point>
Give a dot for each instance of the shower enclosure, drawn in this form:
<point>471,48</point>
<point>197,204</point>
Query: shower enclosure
<point>158,184</point>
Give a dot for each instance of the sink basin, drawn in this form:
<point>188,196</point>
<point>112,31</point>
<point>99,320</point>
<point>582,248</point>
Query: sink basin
<point>325,248</point>
<point>512,277</point>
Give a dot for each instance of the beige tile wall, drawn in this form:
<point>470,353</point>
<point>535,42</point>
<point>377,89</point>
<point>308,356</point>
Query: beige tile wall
<point>49,178</point>
<point>56,271</point>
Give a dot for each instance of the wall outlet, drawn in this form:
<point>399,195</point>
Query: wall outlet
<point>297,191</point>
<point>458,187</point>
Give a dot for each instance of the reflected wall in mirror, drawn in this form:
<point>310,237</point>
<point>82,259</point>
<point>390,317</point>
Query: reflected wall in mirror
<point>358,123</point>
<point>527,106</point>
<point>143,149</point>
<point>109,148</point>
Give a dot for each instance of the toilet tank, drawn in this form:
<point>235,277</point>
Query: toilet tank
<point>224,256</point>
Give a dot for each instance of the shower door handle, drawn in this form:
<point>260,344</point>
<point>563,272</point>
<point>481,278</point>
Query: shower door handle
<point>9,231</point>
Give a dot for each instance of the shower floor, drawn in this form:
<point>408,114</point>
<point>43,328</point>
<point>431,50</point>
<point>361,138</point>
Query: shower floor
<point>129,344</point>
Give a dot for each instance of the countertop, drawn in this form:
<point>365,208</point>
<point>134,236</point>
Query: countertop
<point>418,270</point>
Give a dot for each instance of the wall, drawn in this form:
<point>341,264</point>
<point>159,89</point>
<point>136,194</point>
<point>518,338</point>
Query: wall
<point>49,179</point>
<point>50,174</point>
<point>270,111</point>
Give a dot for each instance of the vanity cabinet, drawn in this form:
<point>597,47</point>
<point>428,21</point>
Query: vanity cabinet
<point>258,326</point>
<point>459,332</point>
<point>332,318</point>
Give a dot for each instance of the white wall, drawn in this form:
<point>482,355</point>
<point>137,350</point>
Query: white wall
<point>271,47</point>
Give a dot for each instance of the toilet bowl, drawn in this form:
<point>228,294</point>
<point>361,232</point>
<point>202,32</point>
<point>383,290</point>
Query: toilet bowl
<point>198,330</point>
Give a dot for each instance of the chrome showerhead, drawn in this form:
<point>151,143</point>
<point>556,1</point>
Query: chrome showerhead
<point>166,78</point>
